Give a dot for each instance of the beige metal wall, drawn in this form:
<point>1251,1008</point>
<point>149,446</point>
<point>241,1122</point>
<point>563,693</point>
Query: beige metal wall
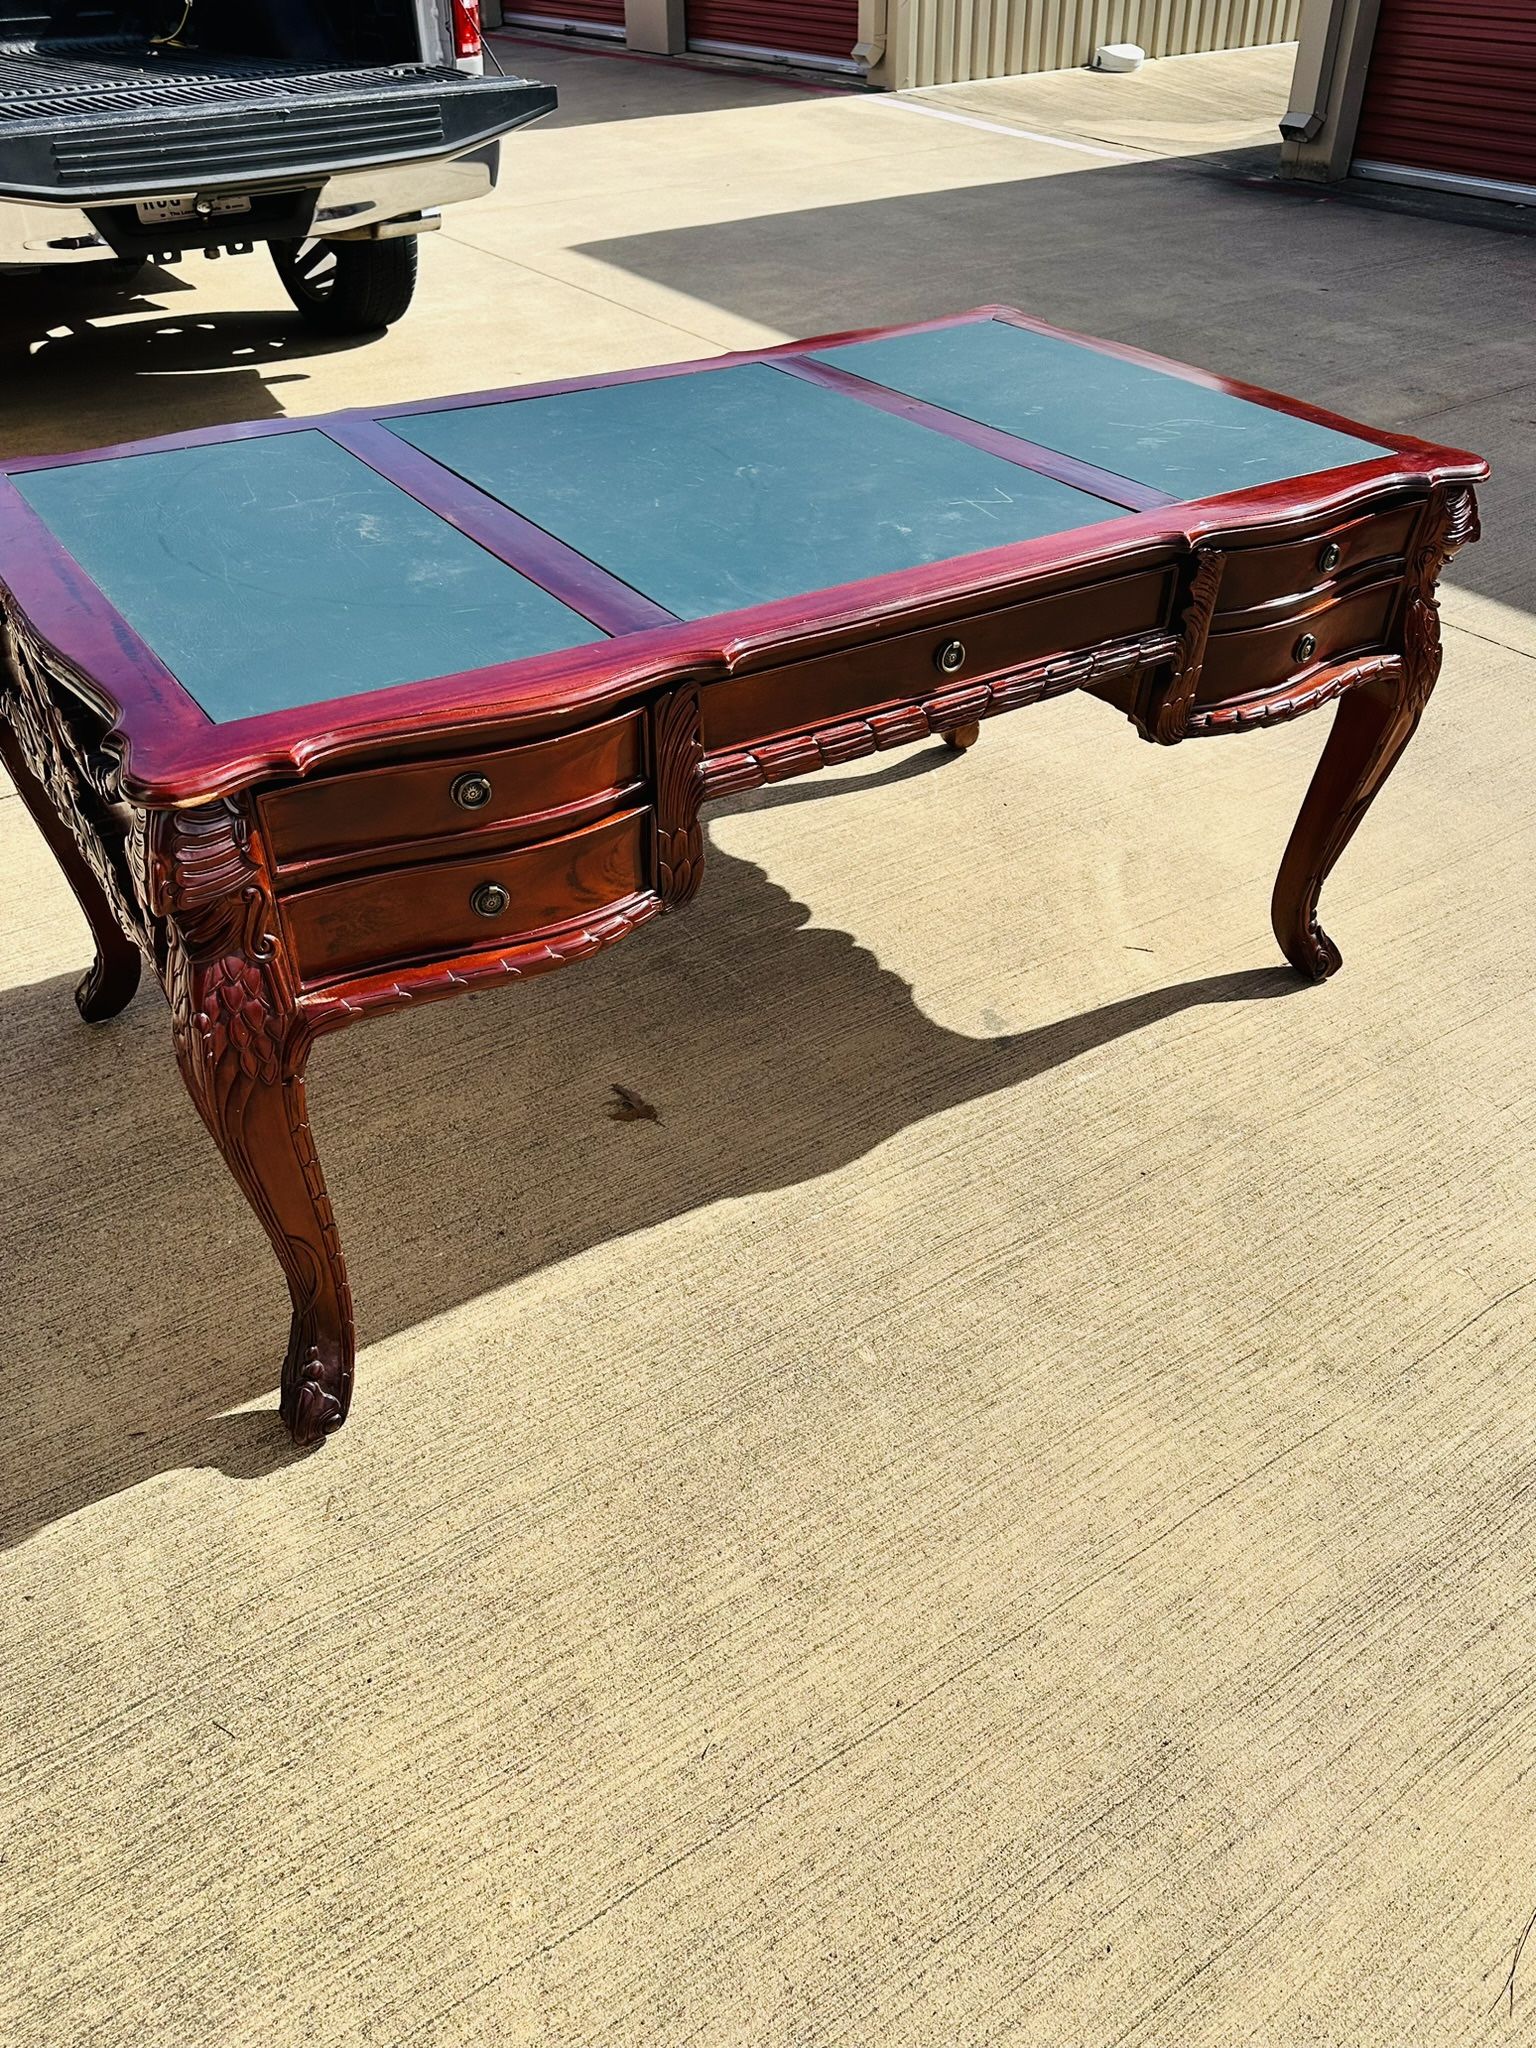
<point>1326,93</point>
<point>940,42</point>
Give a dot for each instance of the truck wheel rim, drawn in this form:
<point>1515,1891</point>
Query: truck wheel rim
<point>315,268</point>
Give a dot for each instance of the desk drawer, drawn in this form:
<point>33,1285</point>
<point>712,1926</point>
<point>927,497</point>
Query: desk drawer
<point>1263,657</point>
<point>907,666</point>
<point>463,906</point>
<point>1259,575</point>
<point>526,791</point>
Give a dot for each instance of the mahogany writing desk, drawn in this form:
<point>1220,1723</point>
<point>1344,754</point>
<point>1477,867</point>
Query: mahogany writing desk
<point>328,716</point>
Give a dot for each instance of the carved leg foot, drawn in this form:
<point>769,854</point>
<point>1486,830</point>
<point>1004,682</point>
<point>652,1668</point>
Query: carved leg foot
<point>1371,727</point>
<point>252,1101</point>
<point>317,1376</point>
<point>317,1372</point>
<point>108,985</point>
<point>961,738</point>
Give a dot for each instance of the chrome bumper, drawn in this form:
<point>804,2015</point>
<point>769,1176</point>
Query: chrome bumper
<point>352,203</point>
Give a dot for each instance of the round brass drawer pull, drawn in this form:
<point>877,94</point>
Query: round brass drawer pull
<point>950,658</point>
<point>1330,557</point>
<point>471,792</point>
<point>1305,647</point>
<point>489,900</point>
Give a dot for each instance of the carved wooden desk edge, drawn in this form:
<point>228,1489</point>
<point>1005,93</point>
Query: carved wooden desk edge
<point>66,774</point>
<point>197,888</point>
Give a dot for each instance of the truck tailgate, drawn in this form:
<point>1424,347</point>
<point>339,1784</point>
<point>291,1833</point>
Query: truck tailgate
<point>87,121</point>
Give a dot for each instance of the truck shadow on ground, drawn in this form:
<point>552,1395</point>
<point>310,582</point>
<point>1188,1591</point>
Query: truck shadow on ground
<point>467,1145</point>
<point>85,363</point>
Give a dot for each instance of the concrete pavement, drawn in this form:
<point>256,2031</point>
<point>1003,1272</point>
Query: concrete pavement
<point>1006,1515</point>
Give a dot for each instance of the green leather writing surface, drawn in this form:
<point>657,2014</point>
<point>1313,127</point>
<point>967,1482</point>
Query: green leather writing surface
<point>1157,429</point>
<point>734,487</point>
<point>282,571</point>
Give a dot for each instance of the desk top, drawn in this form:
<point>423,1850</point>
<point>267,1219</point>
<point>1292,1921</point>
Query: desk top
<point>248,599</point>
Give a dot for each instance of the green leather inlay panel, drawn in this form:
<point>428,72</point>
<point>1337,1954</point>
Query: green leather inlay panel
<point>1157,429</point>
<point>280,571</point>
<point>735,487</point>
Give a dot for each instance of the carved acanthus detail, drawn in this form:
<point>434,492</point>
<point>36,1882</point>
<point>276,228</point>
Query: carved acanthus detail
<point>1281,707</point>
<point>76,781</point>
<point>678,753</point>
<point>1450,522</point>
<point>1163,714</point>
<point>222,963</point>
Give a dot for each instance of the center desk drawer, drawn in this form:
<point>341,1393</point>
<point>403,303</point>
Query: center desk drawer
<point>576,774</point>
<point>940,658</point>
<point>440,908</point>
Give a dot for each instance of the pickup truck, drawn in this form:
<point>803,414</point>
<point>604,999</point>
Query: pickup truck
<point>135,131</point>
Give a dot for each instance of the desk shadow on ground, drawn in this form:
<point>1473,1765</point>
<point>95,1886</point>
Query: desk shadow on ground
<point>82,366</point>
<point>467,1145</point>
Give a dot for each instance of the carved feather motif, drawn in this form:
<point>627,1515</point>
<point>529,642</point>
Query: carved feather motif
<point>679,757</point>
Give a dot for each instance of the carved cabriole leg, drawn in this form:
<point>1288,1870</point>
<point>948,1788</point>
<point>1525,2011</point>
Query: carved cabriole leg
<point>242,1043</point>
<point>1373,724</point>
<point>109,983</point>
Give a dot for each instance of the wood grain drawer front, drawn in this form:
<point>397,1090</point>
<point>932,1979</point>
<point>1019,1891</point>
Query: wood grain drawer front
<point>1259,575</point>
<point>462,906</point>
<point>1261,658</point>
<point>925,664</point>
<point>594,769</point>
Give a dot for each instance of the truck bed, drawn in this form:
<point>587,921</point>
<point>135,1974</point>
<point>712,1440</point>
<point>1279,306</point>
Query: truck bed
<point>87,119</point>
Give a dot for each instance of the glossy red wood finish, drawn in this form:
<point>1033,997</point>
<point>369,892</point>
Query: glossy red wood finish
<point>905,666</point>
<point>1243,657</point>
<point>427,910</point>
<point>1257,575</point>
<point>176,755</point>
<point>383,809</point>
<point>290,874</point>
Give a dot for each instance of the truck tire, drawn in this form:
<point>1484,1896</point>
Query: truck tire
<point>348,287</point>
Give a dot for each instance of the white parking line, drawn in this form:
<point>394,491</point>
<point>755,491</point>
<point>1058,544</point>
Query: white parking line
<point>1115,156</point>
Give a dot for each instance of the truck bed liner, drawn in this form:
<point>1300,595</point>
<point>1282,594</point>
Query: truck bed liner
<point>117,75</point>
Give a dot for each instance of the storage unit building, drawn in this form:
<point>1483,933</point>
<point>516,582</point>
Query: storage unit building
<point>582,17</point>
<point>900,43</point>
<point>1438,93</point>
<point>824,32</point>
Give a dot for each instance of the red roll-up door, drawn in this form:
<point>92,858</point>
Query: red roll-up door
<point>596,16</point>
<point>1451,91</point>
<point>823,30</point>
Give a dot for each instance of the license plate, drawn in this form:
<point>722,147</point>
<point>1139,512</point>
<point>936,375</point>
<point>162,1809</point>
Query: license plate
<point>153,213</point>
